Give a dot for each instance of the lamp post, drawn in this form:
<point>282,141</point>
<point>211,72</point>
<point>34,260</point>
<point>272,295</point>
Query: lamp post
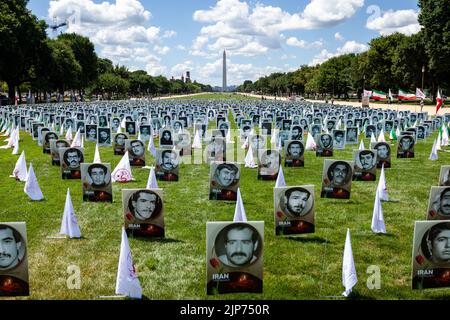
<point>421,100</point>
<point>423,75</point>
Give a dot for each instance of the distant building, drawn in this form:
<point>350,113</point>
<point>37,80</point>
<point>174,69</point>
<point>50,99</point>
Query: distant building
<point>188,77</point>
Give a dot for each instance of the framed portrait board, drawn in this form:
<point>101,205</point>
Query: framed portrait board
<point>294,210</point>
<point>143,211</point>
<point>337,179</point>
<point>96,182</point>
<point>14,280</point>
<point>234,257</point>
<point>430,256</point>
<point>224,181</point>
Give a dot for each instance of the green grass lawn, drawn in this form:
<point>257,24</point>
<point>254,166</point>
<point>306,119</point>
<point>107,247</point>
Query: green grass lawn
<point>295,267</point>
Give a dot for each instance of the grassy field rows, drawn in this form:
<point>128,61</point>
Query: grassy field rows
<point>295,267</point>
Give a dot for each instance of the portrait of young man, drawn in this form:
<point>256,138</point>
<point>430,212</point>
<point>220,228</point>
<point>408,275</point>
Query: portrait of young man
<point>431,255</point>
<point>143,212</point>
<point>337,179</point>
<point>96,179</point>
<point>145,131</point>
<point>104,137</point>
<point>371,129</point>
<point>13,260</point>
<point>294,154</point>
<point>439,203</point>
<point>234,251</point>
<point>119,143</point>
<point>365,165</point>
<point>294,210</point>
<point>405,147</point>
<point>383,154</point>
<point>130,128</point>
<point>49,135</point>
<point>167,167</point>
<point>338,139</point>
<point>71,159</point>
<point>91,132</point>
<point>136,152</point>
<point>224,181</point>
<point>324,144</point>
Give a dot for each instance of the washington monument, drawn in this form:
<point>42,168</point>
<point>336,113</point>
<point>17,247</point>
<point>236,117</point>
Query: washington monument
<point>224,77</point>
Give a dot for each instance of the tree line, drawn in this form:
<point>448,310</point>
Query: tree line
<point>392,62</point>
<point>29,60</point>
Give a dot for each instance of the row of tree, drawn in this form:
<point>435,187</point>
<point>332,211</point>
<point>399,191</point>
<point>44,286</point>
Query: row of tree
<point>29,60</point>
<point>392,62</point>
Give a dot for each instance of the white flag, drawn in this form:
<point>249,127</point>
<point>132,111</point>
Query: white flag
<point>239,211</point>
<point>77,140</point>
<point>433,155</point>
<point>16,146</point>
<point>310,143</point>
<point>246,143</point>
<point>361,145</point>
<point>197,144</point>
<point>275,137</point>
<point>151,147</point>
<point>139,136</point>
<point>444,138</point>
<point>127,282</point>
<point>82,142</point>
<point>20,170</point>
<point>69,134</point>
<point>381,136</point>
<point>372,138</point>
<point>438,142</point>
<point>151,182</point>
<point>249,160</point>
<point>32,188</point>
<point>381,188</point>
<point>377,217</point>
<point>97,155</point>
<point>122,172</point>
<point>69,223</point>
<point>280,179</point>
<point>349,278</point>
<point>420,94</point>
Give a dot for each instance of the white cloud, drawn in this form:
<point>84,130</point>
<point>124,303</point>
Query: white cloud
<point>169,34</point>
<point>294,42</point>
<point>338,36</point>
<point>161,50</point>
<point>249,30</point>
<point>403,21</point>
<point>180,47</point>
<point>182,68</point>
<point>120,29</point>
<point>352,47</point>
<point>326,13</point>
<point>348,47</point>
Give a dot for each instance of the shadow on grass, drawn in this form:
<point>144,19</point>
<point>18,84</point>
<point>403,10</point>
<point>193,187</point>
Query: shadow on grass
<point>305,240</point>
<point>163,240</point>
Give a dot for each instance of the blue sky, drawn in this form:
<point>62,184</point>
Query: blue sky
<point>174,36</point>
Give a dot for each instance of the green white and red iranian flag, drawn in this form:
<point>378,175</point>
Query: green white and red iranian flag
<point>403,95</point>
<point>379,95</point>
